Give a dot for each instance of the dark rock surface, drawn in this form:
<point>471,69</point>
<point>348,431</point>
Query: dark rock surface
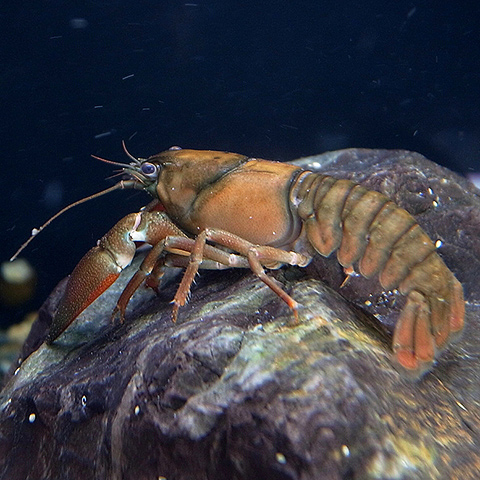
<point>235,392</point>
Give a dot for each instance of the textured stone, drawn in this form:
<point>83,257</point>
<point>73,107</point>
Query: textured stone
<point>235,391</point>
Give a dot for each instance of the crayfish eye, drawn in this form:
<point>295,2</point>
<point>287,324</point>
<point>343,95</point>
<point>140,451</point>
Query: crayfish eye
<point>148,169</point>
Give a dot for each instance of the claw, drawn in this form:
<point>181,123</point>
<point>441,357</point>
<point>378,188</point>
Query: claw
<point>102,265</point>
<point>96,271</point>
<point>91,277</point>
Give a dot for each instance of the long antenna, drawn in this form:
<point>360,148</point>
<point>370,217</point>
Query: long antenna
<point>120,185</point>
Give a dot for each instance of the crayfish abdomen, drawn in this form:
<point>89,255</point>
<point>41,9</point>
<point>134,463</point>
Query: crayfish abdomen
<point>364,226</point>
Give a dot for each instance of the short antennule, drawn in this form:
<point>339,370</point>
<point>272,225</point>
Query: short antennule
<point>120,185</point>
<point>129,155</point>
<point>136,161</point>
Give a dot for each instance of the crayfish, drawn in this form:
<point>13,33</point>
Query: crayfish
<point>225,210</point>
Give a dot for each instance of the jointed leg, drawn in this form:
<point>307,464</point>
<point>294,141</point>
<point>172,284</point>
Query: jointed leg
<point>175,251</point>
<point>145,268</point>
<point>257,255</point>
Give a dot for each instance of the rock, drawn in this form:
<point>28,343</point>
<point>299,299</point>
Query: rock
<point>235,391</point>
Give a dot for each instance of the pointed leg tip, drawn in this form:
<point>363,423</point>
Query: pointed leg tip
<point>297,310</point>
<point>175,312</point>
<point>295,306</point>
<point>118,316</point>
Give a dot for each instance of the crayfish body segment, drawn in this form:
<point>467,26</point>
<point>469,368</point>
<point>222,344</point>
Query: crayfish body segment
<point>225,210</point>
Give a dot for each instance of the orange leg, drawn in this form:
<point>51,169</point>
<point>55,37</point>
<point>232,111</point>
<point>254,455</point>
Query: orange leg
<point>257,255</point>
<point>176,251</point>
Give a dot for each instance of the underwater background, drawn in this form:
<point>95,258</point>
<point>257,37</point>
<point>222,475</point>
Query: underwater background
<point>274,79</point>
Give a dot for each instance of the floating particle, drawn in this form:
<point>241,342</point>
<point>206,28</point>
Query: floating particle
<point>17,282</point>
<point>78,23</point>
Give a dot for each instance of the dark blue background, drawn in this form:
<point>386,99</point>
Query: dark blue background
<point>274,79</point>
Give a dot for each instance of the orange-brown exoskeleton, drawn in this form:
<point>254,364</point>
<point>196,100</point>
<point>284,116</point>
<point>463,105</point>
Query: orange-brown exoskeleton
<point>264,214</point>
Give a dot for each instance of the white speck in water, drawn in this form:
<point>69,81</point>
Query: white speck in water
<point>281,458</point>
<point>17,272</point>
<point>78,23</point>
<point>345,451</point>
<point>35,231</point>
<point>435,204</point>
<point>438,244</point>
<point>102,135</point>
<point>53,194</point>
<point>430,191</point>
<point>84,401</point>
<point>411,12</point>
<point>32,417</point>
